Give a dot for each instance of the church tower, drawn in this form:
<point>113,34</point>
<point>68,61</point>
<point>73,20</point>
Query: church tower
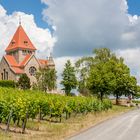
<point>20,45</point>
<point>20,58</point>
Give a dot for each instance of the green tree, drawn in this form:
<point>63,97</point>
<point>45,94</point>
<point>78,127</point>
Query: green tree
<point>125,83</point>
<point>46,79</point>
<point>82,70</point>
<point>105,74</point>
<point>101,79</point>
<point>24,82</point>
<point>69,80</point>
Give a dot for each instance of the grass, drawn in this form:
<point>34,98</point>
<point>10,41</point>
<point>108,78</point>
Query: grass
<point>58,131</point>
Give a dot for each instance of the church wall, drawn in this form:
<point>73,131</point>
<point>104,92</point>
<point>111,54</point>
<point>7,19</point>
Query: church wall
<point>32,62</point>
<point>21,56</point>
<point>4,65</point>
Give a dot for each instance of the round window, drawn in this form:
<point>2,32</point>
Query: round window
<point>32,71</point>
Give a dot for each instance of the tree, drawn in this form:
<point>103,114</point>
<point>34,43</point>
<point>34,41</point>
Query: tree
<point>125,83</point>
<point>24,82</point>
<point>105,74</point>
<point>95,74</point>
<point>69,80</point>
<point>82,70</point>
<point>101,79</point>
<point>46,79</point>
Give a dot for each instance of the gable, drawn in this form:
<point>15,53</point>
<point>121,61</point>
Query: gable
<point>32,62</point>
<point>9,62</point>
<point>20,40</point>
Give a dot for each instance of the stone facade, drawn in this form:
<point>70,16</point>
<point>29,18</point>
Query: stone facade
<point>33,62</point>
<point>20,58</point>
<point>6,72</point>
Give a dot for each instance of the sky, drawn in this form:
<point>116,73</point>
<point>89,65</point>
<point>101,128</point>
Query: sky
<point>71,29</point>
<point>35,7</point>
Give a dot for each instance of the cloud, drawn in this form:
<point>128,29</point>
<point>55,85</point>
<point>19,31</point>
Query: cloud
<point>83,25</point>
<point>131,58</point>
<point>41,38</point>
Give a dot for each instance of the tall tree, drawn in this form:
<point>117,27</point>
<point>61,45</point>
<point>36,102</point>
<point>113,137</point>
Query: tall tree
<point>46,79</point>
<point>24,82</point>
<point>69,80</point>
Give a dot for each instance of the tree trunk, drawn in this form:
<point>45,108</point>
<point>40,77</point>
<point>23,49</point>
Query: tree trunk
<point>117,99</point>
<point>39,115</point>
<point>9,119</point>
<point>18,122</point>
<point>24,123</point>
<point>101,96</point>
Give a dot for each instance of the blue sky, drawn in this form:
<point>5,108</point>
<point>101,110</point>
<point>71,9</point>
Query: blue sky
<point>134,7</point>
<point>35,7</point>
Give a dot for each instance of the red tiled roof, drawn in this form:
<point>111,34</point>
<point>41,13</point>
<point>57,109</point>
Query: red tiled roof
<point>25,60</point>
<point>42,61</point>
<point>20,40</point>
<point>14,65</point>
<point>17,70</point>
<point>11,61</point>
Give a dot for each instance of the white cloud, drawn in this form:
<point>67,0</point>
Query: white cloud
<point>131,58</point>
<point>82,25</point>
<point>41,38</point>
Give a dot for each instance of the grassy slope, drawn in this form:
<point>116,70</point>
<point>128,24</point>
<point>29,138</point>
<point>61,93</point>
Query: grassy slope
<point>57,131</point>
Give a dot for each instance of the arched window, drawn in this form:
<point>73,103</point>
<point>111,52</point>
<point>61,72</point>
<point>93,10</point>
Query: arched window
<point>4,75</point>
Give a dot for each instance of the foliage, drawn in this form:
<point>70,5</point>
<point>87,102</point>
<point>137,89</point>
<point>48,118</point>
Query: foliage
<point>7,83</point>
<point>46,79</point>
<point>105,74</point>
<point>38,104</point>
<point>82,70</point>
<point>69,80</point>
<point>24,82</point>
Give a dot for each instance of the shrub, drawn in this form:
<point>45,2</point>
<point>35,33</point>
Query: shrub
<point>7,83</point>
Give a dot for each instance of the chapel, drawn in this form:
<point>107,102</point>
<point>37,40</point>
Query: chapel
<point>20,58</point>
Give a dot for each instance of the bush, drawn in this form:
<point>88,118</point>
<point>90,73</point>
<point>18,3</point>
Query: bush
<point>7,83</point>
<point>24,82</point>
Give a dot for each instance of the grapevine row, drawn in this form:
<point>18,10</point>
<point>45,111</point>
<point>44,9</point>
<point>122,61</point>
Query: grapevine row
<point>18,106</point>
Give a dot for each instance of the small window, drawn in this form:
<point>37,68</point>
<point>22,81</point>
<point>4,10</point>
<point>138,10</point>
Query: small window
<point>6,75</point>
<point>13,42</point>
<point>24,52</point>
<point>26,42</point>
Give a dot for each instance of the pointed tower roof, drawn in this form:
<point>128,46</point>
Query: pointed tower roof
<point>20,40</point>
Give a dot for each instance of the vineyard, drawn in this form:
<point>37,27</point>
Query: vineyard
<point>17,106</point>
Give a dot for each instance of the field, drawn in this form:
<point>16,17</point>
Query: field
<point>36,115</point>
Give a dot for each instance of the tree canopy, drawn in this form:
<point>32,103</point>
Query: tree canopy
<point>104,74</point>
